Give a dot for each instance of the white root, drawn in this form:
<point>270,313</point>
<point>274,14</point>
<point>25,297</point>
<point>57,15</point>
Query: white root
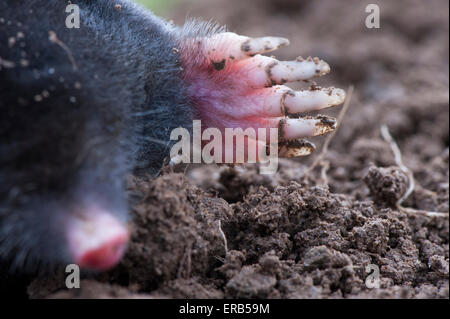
<point>225,243</point>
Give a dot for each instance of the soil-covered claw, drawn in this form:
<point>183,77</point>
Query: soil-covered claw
<point>312,100</point>
<point>254,46</point>
<point>283,101</point>
<point>295,128</point>
<point>263,71</point>
<point>230,46</point>
<point>295,148</point>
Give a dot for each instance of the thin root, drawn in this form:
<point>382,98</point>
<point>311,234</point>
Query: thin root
<point>225,244</point>
<point>323,172</point>
<point>422,212</point>
<point>185,259</point>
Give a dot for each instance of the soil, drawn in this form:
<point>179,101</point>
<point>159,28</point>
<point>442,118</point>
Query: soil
<point>221,232</point>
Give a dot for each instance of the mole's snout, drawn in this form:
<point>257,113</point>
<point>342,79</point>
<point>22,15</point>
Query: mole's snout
<point>97,240</point>
<point>105,256</point>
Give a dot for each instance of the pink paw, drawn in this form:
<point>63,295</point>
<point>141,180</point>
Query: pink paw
<point>231,85</point>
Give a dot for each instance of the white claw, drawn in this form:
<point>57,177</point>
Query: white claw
<point>306,126</point>
<point>312,100</point>
<point>280,100</point>
<point>253,46</point>
<point>286,71</point>
<point>266,71</point>
<point>231,46</point>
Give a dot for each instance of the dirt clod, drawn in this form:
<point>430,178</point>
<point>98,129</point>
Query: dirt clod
<point>387,185</point>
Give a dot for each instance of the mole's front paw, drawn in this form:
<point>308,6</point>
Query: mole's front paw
<point>231,85</point>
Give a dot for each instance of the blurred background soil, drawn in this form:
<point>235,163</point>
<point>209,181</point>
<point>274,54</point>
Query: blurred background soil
<point>220,232</point>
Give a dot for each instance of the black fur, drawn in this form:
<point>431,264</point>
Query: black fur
<point>80,111</point>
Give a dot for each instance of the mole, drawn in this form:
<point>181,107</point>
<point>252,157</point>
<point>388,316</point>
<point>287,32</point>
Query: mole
<point>82,108</point>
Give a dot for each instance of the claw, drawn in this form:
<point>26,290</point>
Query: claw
<point>265,71</point>
<point>296,148</point>
<point>254,46</point>
<point>230,46</point>
<point>283,101</point>
<point>254,150</point>
<point>306,126</point>
<point>312,100</point>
